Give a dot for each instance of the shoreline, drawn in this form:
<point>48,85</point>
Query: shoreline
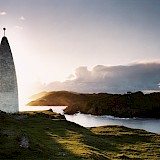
<point>88,120</point>
<point>118,105</point>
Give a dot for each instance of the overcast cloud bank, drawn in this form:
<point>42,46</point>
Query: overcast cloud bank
<point>111,79</point>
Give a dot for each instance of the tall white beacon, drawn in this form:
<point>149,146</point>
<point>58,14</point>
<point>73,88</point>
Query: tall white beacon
<point>8,79</point>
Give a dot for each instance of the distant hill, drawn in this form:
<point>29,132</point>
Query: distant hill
<point>38,95</point>
<point>127,105</point>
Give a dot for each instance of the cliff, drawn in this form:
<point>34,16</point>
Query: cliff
<point>127,105</point>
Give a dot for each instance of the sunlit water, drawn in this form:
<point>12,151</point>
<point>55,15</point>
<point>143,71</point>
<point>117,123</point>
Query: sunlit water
<point>87,120</point>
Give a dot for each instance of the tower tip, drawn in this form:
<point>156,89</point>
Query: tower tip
<point>4,29</point>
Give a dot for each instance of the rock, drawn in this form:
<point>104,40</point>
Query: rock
<point>24,142</point>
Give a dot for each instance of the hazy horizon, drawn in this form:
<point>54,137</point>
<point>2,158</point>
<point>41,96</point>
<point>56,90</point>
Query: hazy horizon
<point>79,45</point>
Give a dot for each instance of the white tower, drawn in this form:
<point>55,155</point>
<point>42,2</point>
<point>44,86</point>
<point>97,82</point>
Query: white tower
<point>8,79</point>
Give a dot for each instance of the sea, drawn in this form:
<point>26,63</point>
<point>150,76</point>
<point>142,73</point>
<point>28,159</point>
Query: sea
<point>87,120</point>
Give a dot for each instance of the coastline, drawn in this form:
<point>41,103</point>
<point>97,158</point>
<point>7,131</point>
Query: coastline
<point>118,105</point>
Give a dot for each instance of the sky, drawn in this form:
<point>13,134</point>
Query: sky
<point>83,45</point>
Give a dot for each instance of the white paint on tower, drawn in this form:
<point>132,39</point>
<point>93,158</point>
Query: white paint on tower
<point>8,79</point>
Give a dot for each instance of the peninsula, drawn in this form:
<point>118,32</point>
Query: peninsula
<point>127,105</point>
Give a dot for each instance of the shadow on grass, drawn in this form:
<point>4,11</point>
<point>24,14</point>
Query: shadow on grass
<point>104,145</point>
<point>41,145</point>
<point>60,139</point>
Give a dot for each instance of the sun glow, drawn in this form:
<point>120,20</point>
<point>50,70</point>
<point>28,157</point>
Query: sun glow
<point>33,69</point>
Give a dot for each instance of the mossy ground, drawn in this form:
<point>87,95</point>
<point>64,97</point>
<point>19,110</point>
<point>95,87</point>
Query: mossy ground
<point>52,139</point>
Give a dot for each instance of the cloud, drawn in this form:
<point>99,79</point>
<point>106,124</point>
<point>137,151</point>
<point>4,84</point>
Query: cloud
<point>111,79</point>
<point>21,18</point>
<point>3,13</point>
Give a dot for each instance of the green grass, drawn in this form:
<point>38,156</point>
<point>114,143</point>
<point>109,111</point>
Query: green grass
<point>52,139</point>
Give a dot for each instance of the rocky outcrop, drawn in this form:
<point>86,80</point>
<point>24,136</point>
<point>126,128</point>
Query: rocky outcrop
<point>46,113</point>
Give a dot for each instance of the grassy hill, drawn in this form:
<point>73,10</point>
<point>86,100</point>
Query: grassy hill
<point>127,105</point>
<point>42,136</point>
<point>39,95</point>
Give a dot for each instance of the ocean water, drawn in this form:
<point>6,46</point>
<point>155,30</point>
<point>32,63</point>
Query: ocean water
<point>87,120</point>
